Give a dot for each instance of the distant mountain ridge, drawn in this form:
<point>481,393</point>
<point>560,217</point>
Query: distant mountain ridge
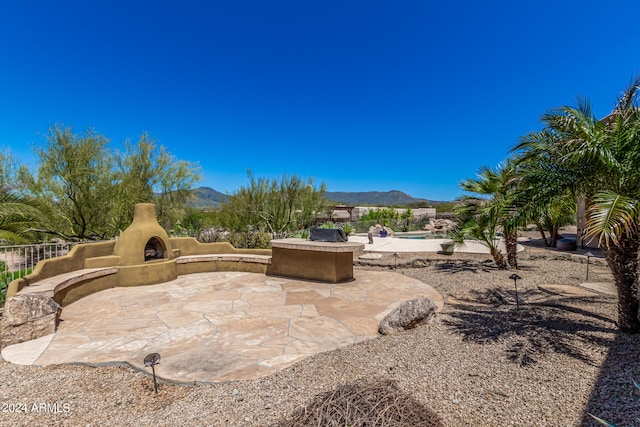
<point>373,198</point>
<point>206,197</point>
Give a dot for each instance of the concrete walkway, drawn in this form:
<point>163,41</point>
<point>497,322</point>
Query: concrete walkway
<point>224,326</point>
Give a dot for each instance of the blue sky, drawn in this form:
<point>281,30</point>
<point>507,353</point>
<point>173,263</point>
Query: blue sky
<point>362,95</point>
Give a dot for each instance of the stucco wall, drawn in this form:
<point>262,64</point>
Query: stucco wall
<point>132,266</point>
<point>100,255</point>
<point>331,267</point>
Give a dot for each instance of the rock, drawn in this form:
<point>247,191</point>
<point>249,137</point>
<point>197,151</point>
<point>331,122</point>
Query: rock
<point>27,317</point>
<point>408,315</point>
<point>439,225</point>
<point>376,229</point>
<point>370,256</point>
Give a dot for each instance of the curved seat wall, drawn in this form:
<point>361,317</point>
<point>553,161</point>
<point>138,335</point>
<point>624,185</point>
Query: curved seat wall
<point>92,267</point>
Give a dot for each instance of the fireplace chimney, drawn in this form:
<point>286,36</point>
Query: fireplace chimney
<point>144,241</point>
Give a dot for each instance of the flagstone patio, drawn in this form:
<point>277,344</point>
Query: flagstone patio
<point>224,326</point>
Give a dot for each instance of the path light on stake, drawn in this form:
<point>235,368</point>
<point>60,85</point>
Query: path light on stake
<point>515,278</point>
<point>396,255</point>
<point>152,360</point>
<point>588,255</point>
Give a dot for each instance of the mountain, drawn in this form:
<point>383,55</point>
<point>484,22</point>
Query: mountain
<point>373,198</point>
<point>206,197</point>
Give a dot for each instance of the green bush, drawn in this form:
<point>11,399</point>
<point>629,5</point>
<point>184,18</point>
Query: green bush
<point>303,234</point>
<point>363,226</point>
<point>347,228</point>
<point>6,278</point>
<point>383,216</point>
<point>328,224</point>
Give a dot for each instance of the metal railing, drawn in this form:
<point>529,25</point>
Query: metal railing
<point>19,260</point>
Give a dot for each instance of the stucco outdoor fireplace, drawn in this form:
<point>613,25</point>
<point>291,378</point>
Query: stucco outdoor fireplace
<point>143,254</point>
<point>144,240</point>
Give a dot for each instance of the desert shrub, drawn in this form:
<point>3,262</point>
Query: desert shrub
<point>212,235</point>
<point>328,224</point>
<point>348,228</point>
<point>250,239</point>
<point>303,234</point>
<point>383,216</point>
<point>364,403</point>
<point>363,226</point>
<point>241,239</point>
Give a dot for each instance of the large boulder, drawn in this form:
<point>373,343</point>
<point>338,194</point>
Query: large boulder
<point>27,317</point>
<point>376,230</point>
<point>439,225</point>
<point>408,315</point>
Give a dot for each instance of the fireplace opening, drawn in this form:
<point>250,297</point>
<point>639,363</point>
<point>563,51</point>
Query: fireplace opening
<point>154,249</point>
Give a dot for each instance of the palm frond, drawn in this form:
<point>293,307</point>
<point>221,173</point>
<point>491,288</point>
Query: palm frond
<point>603,422</point>
<point>611,216</point>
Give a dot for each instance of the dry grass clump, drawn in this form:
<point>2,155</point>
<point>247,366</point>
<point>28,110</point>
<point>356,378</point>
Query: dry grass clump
<point>364,403</point>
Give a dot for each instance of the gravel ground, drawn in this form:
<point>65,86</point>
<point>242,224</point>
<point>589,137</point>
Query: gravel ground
<point>481,363</point>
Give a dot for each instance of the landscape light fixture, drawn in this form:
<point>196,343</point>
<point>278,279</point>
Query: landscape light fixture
<point>152,360</point>
<point>515,278</point>
<point>588,255</point>
<point>396,255</point>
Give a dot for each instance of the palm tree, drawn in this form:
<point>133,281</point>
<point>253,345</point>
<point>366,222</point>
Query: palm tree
<point>551,217</point>
<point>403,220</point>
<point>489,209</point>
<point>478,220</point>
<point>17,217</point>
<point>538,197</point>
<point>599,160</point>
<point>19,212</point>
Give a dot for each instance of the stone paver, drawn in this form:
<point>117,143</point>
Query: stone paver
<point>567,290</point>
<point>29,351</point>
<point>223,326</point>
<point>603,273</point>
<point>608,288</point>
